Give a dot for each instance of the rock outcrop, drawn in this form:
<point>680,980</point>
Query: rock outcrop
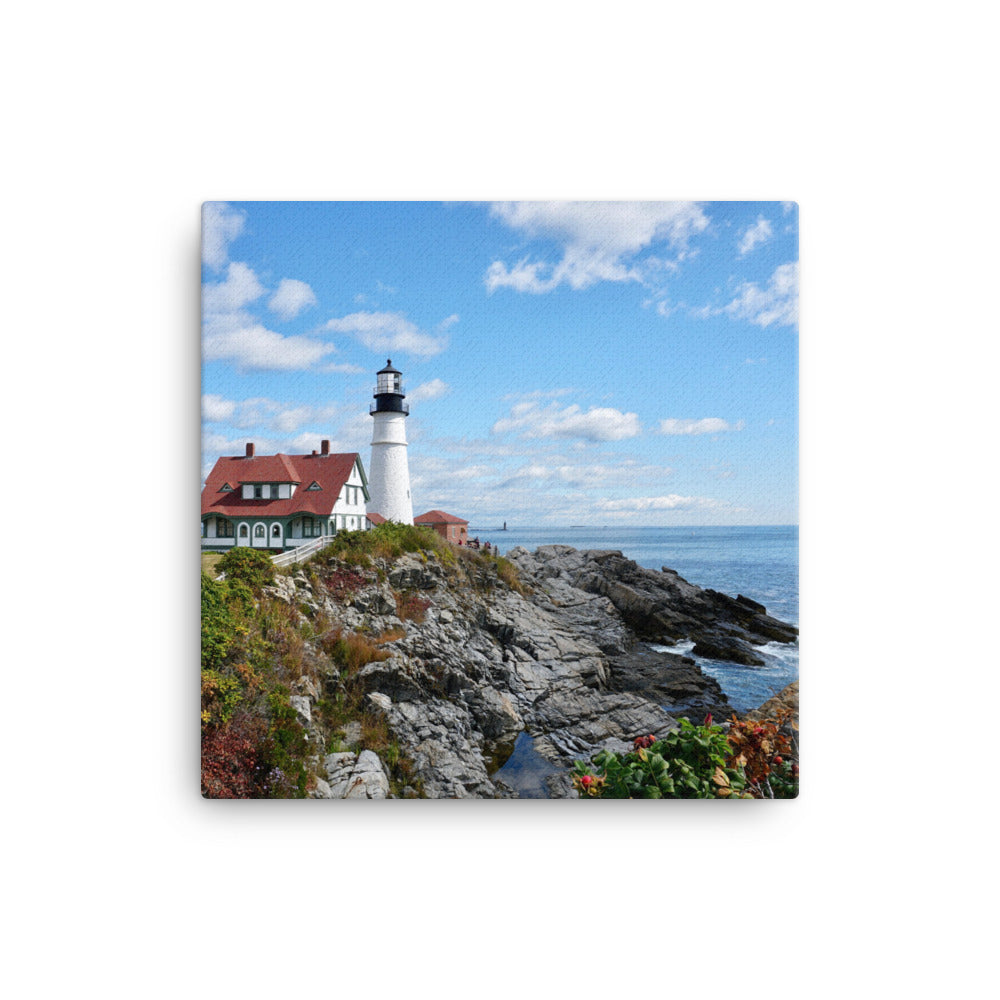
<point>484,666</point>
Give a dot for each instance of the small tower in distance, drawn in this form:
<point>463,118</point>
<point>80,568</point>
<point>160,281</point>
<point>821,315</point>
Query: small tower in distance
<point>389,471</point>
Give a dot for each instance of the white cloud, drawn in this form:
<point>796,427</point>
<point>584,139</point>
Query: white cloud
<point>582,476</point>
<point>670,502</point>
<point>434,389</point>
<point>291,298</point>
<point>343,369</point>
<point>531,420</point>
<point>777,303</point>
<point>215,408</point>
<point>447,322</point>
<point>760,232</point>
<point>599,240</point>
<point>239,289</point>
<point>253,346</point>
<point>220,225</point>
<point>705,425</point>
<point>388,332</point>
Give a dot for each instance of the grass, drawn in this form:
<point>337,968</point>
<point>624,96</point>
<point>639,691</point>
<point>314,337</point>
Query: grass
<point>385,542</point>
<point>209,561</point>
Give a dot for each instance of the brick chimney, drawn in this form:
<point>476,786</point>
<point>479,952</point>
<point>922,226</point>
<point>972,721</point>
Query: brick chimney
<point>249,449</point>
<point>325,445</point>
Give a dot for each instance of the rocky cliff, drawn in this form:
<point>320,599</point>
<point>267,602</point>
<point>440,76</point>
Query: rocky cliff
<point>532,671</point>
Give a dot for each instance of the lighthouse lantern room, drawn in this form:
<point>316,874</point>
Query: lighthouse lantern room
<point>389,472</point>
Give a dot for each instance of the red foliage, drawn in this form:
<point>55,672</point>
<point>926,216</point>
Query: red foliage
<point>412,607</point>
<point>234,759</point>
<point>341,582</point>
<point>757,747</point>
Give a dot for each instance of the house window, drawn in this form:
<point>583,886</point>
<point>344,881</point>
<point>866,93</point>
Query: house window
<point>243,531</point>
<point>258,531</point>
<point>314,486</point>
<point>223,528</point>
<point>258,492</point>
<point>276,531</point>
<point>225,488</point>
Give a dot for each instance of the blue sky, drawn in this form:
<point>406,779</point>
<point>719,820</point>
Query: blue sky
<point>565,362</point>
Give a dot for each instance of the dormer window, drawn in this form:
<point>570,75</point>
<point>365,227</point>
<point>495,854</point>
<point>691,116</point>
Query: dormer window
<point>225,488</point>
<point>314,486</point>
<point>258,491</point>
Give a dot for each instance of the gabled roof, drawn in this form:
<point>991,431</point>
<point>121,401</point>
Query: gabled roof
<point>438,517</point>
<point>331,472</point>
<point>376,518</point>
<point>265,469</point>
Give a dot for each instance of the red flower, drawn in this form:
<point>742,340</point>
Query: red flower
<point>708,719</point>
<point>587,780</point>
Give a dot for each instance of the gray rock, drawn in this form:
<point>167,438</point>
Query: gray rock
<point>369,779</point>
<point>306,687</point>
<point>560,664</point>
<point>302,709</point>
<point>321,791</point>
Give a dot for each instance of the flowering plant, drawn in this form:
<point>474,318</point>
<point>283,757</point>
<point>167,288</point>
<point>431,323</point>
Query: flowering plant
<point>696,762</point>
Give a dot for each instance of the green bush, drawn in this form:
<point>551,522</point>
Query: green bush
<point>755,759</point>
<point>249,566</point>
<point>223,607</point>
<point>385,541</point>
<point>689,763</point>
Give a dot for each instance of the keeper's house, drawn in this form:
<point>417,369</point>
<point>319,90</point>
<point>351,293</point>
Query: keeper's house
<point>282,501</point>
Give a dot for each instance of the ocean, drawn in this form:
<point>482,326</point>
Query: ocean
<point>759,562</point>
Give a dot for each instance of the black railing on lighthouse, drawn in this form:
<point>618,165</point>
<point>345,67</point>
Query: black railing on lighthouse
<point>389,404</point>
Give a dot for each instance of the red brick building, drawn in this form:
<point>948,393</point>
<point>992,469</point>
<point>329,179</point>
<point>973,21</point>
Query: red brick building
<point>451,528</point>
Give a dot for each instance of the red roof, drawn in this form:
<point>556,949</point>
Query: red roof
<point>376,518</point>
<point>330,472</point>
<point>438,517</point>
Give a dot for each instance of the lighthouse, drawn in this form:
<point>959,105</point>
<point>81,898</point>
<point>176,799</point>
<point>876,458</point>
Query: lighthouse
<point>389,472</point>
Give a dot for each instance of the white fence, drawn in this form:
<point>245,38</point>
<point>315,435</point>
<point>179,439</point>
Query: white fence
<point>301,552</point>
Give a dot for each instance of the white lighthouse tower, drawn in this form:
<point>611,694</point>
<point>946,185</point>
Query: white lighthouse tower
<point>389,472</point>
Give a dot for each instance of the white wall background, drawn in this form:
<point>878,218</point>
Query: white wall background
<point>877,119</point>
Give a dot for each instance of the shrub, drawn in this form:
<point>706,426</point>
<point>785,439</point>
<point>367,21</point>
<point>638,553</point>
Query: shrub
<point>385,541</point>
<point>220,694</point>
<point>696,762</point>
<point>351,650</point>
<point>411,607</point>
<point>342,582</point>
<point>689,763</point>
<point>507,572</point>
<point>223,629</point>
<point>766,755</point>
<point>234,759</point>
<point>249,566</point>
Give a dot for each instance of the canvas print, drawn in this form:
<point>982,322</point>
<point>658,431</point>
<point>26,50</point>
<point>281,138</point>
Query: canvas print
<point>499,500</point>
